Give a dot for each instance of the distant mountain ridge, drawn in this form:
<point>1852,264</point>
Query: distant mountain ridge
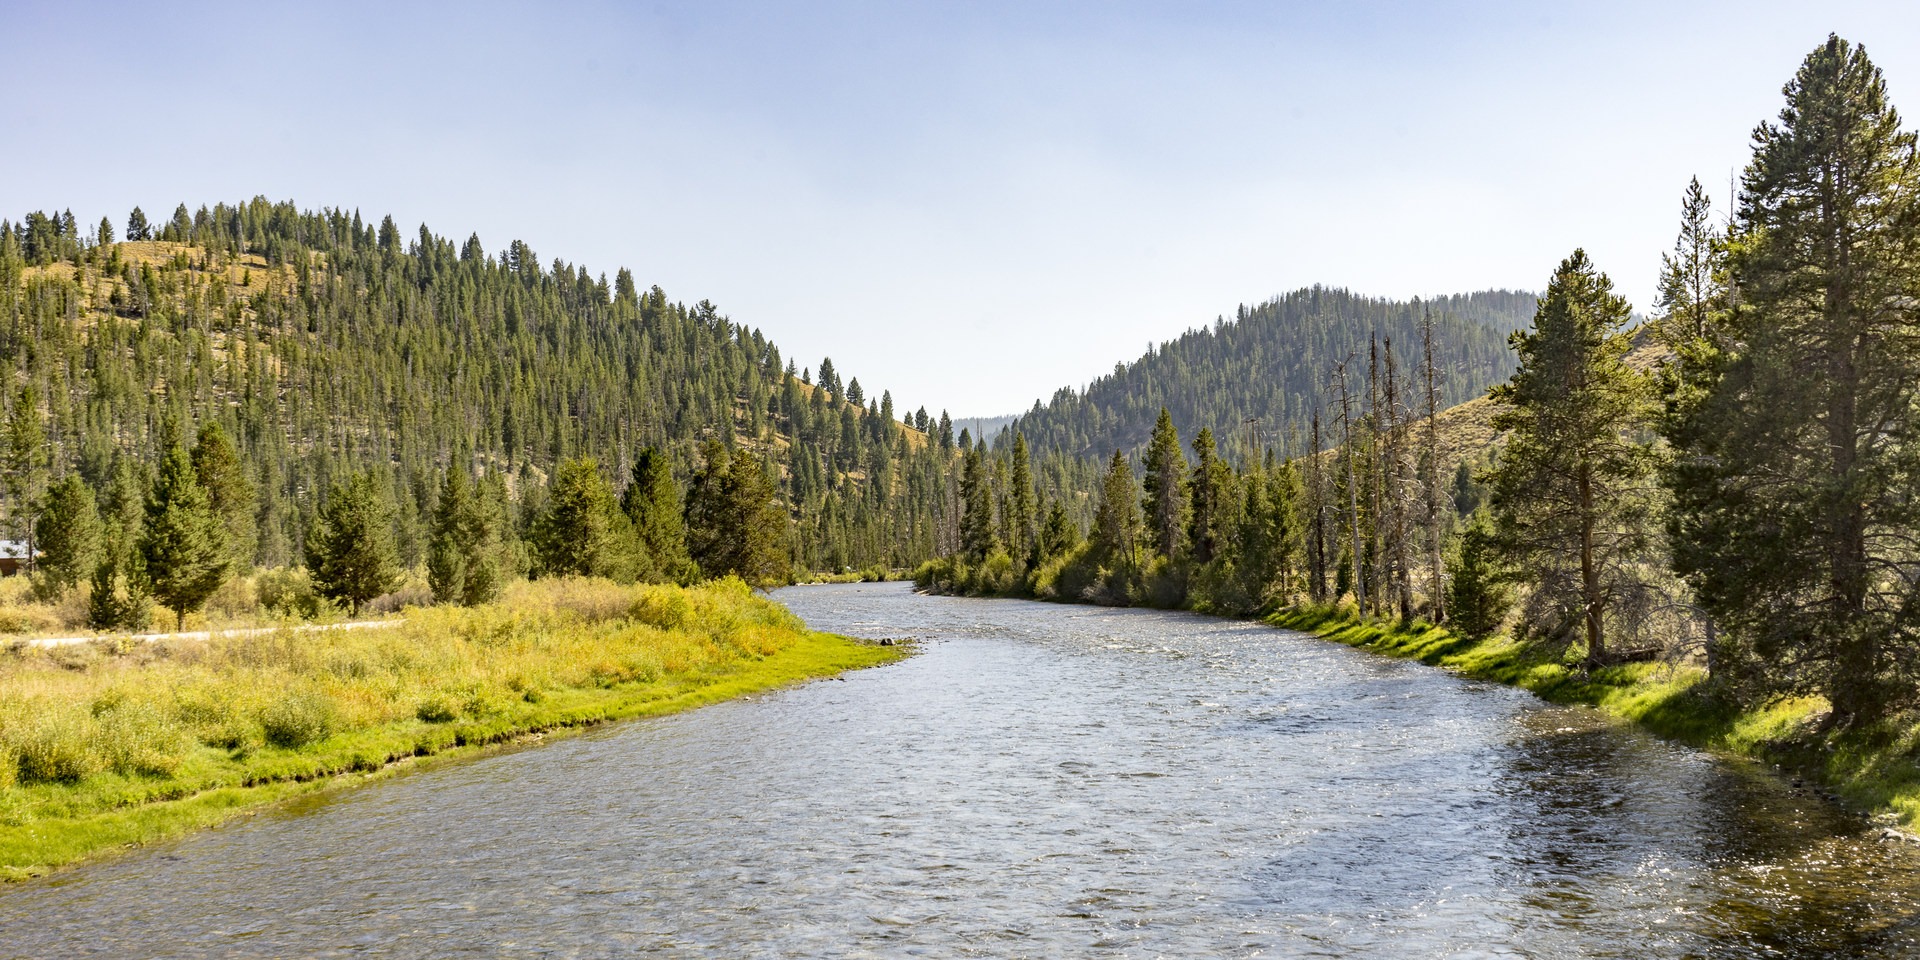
<point>1270,364</point>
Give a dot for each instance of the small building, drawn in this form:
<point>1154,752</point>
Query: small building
<point>13,557</point>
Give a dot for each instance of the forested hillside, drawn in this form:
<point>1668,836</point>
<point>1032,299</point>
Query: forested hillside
<point>324,345</point>
<point>1271,363</point>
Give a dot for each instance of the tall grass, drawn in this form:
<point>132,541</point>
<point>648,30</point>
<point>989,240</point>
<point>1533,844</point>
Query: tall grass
<point>91,729</point>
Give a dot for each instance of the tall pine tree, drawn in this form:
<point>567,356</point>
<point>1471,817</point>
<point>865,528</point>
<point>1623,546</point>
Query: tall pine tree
<point>1571,489</point>
<point>1793,482</point>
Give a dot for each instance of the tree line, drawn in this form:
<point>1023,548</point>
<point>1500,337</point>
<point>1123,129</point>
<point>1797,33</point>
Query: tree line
<point>325,346</point>
<point>178,540</point>
<point>1731,482</point>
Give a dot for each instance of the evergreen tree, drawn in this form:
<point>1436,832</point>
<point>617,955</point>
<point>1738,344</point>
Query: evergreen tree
<point>1477,596</point>
<point>1058,534</point>
<point>1570,493</point>
<point>70,537</point>
<point>350,547</point>
<point>217,465</point>
<point>706,509</point>
<point>27,463</point>
<point>1021,503</point>
<point>447,550</point>
<point>464,563</point>
<point>652,503</point>
<point>182,545</point>
<point>1165,502</point>
<point>137,226</point>
<point>1793,479</point>
<point>976,495</point>
<point>1690,276</point>
<point>759,526</point>
<point>1207,490</point>
<point>583,532</point>
<point>1116,524</point>
<point>117,595</point>
<point>734,521</point>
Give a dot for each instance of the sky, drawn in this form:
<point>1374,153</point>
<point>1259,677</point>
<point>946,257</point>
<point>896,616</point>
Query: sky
<point>970,204</point>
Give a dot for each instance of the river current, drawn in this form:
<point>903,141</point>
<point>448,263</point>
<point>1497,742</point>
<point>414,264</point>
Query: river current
<point>1039,781</point>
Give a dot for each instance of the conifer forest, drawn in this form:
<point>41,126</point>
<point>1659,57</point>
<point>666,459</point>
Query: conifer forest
<point>962,480</point>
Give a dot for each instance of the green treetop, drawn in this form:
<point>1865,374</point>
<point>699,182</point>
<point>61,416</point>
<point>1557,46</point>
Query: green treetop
<point>1571,491</point>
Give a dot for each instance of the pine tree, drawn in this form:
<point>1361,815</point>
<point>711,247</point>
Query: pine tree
<point>137,226</point>
<point>1165,504</point>
<point>464,553</point>
<point>976,494</point>
<point>1793,476</point>
<point>183,549</point>
<point>1207,490</point>
<point>350,547</point>
<point>1058,534</point>
<point>1570,493</point>
<point>1690,276</point>
<point>27,463</point>
<point>117,595</point>
<point>230,490</point>
<point>1021,503</point>
<point>1116,523</point>
<point>652,503</point>
<point>735,524</point>
<point>759,525</point>
<point>70,537</point>
<point>583,532</point>
<point>706,509</point>
<point>1477,596</point>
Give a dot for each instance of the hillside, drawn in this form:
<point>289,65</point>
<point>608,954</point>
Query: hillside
<point>1271,363</point>
<point>324,344</point>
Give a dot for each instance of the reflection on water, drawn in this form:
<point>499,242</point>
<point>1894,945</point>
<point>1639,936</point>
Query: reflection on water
<point>1041,781</point>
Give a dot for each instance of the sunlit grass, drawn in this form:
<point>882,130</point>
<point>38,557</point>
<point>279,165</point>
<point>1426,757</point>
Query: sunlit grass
<point>102,747</point>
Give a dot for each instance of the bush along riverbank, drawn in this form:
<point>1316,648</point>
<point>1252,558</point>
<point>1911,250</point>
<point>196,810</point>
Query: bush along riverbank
<point>1870,767</point>
<point>102,747</point>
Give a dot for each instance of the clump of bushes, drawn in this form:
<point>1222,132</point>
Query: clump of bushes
<point>301,718</point>
<point>288,592</point>
<point>437,709</point>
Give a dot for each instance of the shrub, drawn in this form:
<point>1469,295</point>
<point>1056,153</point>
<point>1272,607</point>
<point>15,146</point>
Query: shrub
<point>663,608</point>
<point>437,709</point>
<point>289,593</point>
<point>134,737</point>
<point>56,749</point>
<point>298,719</point>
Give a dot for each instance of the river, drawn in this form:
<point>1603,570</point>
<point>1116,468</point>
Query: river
<point>1040,781</point>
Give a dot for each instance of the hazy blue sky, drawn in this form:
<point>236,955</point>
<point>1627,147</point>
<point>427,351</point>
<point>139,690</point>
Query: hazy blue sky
<point>970,204</point>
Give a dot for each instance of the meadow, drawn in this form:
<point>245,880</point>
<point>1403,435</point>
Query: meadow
<point>114,743</point>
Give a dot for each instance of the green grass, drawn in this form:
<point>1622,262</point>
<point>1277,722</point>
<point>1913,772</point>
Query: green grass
<point>102,749</point>
<point>1873,768</point>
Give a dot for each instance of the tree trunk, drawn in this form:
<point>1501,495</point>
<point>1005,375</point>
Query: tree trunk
<point>1590,576</point>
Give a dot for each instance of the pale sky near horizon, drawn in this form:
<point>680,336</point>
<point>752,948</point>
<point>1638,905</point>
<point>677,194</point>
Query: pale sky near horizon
<point>971,204</point>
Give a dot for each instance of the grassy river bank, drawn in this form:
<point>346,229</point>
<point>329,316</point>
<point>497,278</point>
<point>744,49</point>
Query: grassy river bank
<point>106,746</point>
<point>1872,768</point>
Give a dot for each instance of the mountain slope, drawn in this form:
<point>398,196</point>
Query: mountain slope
<point>324,344</point>
<point>1272,363</point>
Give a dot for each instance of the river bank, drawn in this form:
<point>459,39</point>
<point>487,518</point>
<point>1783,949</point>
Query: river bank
<point>1872,768</point>
<point>104,747</point>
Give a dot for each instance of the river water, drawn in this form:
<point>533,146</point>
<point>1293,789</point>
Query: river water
<point>1040,781</point>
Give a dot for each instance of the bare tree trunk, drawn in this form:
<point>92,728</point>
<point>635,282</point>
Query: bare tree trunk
<point>1436,575</point>
<point>1353,490</point>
